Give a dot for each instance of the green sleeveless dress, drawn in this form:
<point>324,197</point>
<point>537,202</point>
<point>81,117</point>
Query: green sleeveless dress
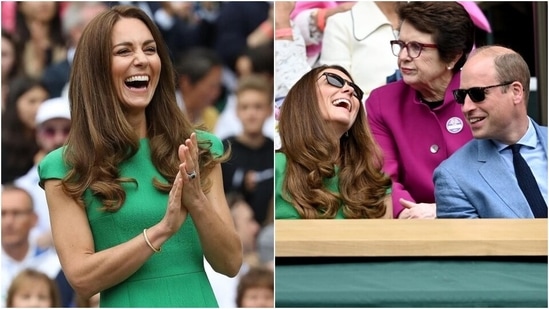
<point>284,209</point>
<point>173,277</point>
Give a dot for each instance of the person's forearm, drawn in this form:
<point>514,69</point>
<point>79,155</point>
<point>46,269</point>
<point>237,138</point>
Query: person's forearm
<point>213,220</point>
<point>104,269</point>
<point>90,271</point>
<point>221,245</point>
<point>282,21</point>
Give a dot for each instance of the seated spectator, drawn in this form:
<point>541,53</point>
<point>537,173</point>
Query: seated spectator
<point>329,165</point>
<point>177,20</point>
<point>53,123</point>
<point>310,18</point>
<point>290,51</point>
<point>33,289</point>
<point>38,30</point>
<point>416,121</point>
<point>256,289</point>
<point>249,170</point>
<point>225,288</point>
<point>18,127</point>
<point>11,64</point>
<point>478,180</point>
<point>241,24</point>
<point>18,252</point>
<point>256,61</point>
<point>75,18</point>
<point>199,85</point>
<point>265,246</point>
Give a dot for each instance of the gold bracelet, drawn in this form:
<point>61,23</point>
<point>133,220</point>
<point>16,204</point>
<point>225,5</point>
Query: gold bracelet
<point>149,243</point>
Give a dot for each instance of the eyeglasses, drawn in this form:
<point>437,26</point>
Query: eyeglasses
<point>413,48</point>
<point>337,81</point>
<point>477,94</point>
<point>50,132</point>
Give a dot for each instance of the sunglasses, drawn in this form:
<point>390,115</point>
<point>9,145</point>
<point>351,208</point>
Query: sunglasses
<point>477,94</point>
<point>52,131</point>
<point>337,81</point>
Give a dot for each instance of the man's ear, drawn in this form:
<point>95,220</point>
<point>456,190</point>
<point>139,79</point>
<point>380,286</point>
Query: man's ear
<point>518,92</point>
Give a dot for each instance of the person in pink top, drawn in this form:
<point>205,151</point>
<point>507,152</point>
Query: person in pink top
<point>416,120</point>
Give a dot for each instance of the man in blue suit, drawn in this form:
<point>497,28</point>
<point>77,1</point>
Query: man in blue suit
<point>478,181</point>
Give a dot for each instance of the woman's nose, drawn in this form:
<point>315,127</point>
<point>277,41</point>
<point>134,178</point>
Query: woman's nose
<point>140,59</point>
<point>347,88</point>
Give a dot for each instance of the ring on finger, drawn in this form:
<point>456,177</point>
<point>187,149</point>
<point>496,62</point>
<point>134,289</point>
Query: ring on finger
<point>191,175</point>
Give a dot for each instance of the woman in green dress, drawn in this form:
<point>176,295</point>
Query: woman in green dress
<point>328,165</point>
<point>136,195</point>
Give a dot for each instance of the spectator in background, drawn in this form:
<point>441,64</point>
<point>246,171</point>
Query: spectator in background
<point>53,123</point>
<point>179,24</point>
<point>38,30</point>
<point>208,14</point>
<point>416,120</point>
<point>18,127</point>
<point>290,58</point>
<point>199,85</point>
<point>310,18</point>
<point>257,61</point>
<point>249,170</point>
<point>328,165</point>
<point>256,289</point>
<point>11,64</point>
<point>241,25</point>
<point>18,251</point>
<point>75,19</point>
<point>290,51</point>
<point>265,245</point>
<point>246,226</point>
<point>33,289</point>
<point>358,40</point>
<point>483,179</point>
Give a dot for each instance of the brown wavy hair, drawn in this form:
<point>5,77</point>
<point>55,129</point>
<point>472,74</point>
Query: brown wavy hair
<point>101,137</point>
<point>311,149</point>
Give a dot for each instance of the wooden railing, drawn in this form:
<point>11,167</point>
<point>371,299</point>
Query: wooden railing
<point>439,237</point>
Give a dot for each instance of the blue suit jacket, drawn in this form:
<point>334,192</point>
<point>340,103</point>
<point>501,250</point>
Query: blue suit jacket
<point>475,183</point>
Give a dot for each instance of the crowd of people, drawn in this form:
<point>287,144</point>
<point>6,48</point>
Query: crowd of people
<point>148,147</point>
<point>102,98</point>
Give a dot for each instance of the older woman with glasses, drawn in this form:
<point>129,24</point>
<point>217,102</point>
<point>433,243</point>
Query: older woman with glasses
<point>416,120</point>
<point>328,165</point>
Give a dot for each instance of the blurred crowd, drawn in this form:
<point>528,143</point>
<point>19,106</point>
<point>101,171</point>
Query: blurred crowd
<point>224,58</point>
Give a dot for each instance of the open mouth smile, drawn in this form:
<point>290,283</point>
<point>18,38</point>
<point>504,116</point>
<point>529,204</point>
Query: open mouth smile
<point>345,103</point>
<point>137,82</point>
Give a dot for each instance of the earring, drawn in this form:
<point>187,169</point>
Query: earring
<point>449,67</point>
<point>347,134</point>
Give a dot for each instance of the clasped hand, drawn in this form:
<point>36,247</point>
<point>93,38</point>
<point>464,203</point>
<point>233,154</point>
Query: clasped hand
<point>186,191</point>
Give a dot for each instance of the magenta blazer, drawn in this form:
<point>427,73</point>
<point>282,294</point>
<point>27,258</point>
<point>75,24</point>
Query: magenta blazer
<point>414,139</point>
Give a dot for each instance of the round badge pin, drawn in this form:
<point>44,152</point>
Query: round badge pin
<point>454,125</point>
